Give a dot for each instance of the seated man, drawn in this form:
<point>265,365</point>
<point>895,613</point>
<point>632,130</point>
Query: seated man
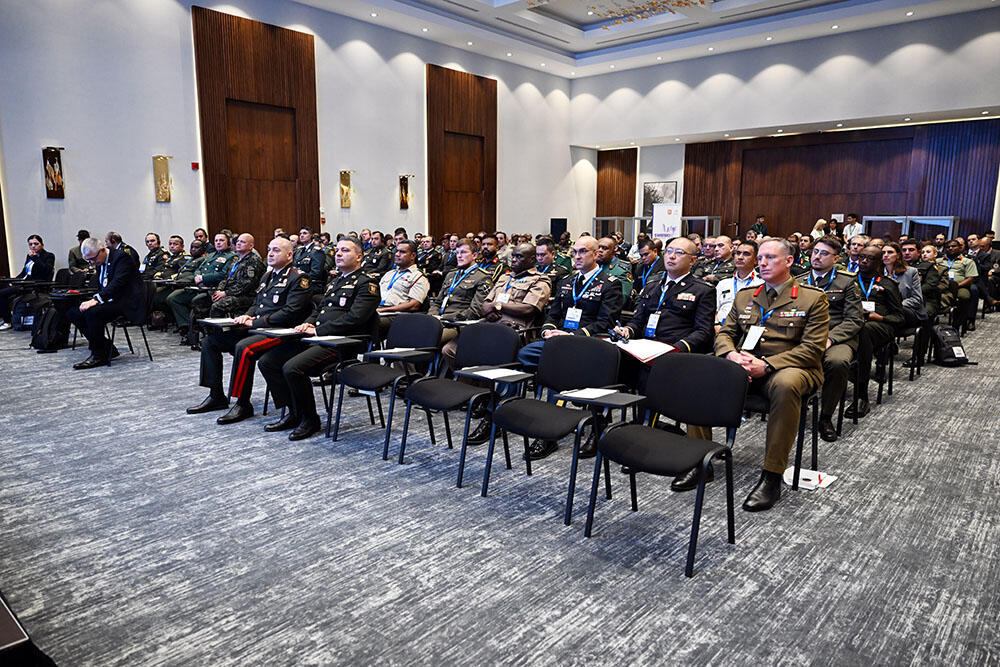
<point>545,255</point>
<point>463,290</point>
<point>311,261</point>
<point>182,276</point>
<point>882,306</point>
<point>587,303</point>
<point>377,259</point>
<point>237,290</point>
<point>650,267</point>
<point>405,289</point>
<point>39,265</point>
<point>429,262</point>
<point>284,300</point>
<point>77,264</point>
<point>777,331</point>
<point>120,292</point>
<point>175,259</point>
<point>348,307</point>
<point>855,245</point>
<point>489,261</point>
<point>722,266</point>
<point>209,273</point>
<point>745,263</point>
<point>846,320</point>
<point>155,258</point>
<point>621,270</point>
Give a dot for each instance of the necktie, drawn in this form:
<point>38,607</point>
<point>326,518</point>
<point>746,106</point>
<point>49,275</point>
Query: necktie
<point>772,295</point>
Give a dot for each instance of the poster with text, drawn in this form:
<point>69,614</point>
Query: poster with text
<point>666,221</point>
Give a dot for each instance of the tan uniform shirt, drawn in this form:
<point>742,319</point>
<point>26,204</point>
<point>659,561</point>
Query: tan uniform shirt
<point>531,288</point>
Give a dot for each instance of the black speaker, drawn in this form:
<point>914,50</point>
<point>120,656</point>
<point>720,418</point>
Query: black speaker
<point>557,226</point>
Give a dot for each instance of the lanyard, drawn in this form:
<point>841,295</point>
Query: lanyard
<point>395,276</point>
<point>737,286</point>
<point>510,283</point>
<point>235,266</point>
<point>663,292</point>
<point>833,274</point>
<point>871,284</point>
<point>763,315</point>
<point>645,274</point>
<point>576,297</point>
<point>457,279</point>
<point>546,269</point>
<point>951,263</point>
<point>486,266</point>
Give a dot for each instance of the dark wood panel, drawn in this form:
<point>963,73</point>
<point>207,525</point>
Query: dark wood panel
<point>616,182</point>
<point>257,110</point>
<point>939,169</point>
<point>461,151</point>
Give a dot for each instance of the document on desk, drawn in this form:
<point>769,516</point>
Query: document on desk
<point>588,394</point>
<point>497,373</point>
<point>280,332</point>
<point>645,350</point>
<point>218,321</point>
<point>394,350</point>
<point>323,339</point>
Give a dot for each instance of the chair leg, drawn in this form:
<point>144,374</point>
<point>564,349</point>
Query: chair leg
<point>730,513</point>
<point>145,341</point>
<point>371,413</point>
<point>892,369</point>
<point>593,495</point>
<point>430,426</point>
<point>696,521</point>
<point>815,432</point>
<point>128,339</point>
<point>798,446</point>
<point>447,428</point>
<point>840,412</point>
<point>465,433</point>
<point>340,405</point>
<point>74,337</point>
<point>267,399</point>
<point>506,450</point>
<point>527,458</point>
<point>388,422</point>
<point>461,458</point>
<point>406,429</point>
<point>567,519</point>
<point>635,497</point>
<point>607,479</point>
<point>378,403</point>
<point>489,460</point>
<point>329,409</point>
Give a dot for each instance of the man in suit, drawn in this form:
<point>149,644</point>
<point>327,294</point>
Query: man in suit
<point>120,292</point>
<point>283,300</point>
<point>777,332</point>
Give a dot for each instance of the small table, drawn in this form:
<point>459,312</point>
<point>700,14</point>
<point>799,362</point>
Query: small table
<point>283,334</point>
<point>221,323</point>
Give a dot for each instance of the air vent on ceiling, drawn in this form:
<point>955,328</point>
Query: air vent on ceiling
<point>774,9</point>
<point>648,35</point>
<point>459,4</point>
<point>537,32</point>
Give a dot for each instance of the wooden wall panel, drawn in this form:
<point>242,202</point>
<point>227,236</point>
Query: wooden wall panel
<point>616,182</point>
<point>257,108</point>
<point>461,151</point>
<point>939,169</point>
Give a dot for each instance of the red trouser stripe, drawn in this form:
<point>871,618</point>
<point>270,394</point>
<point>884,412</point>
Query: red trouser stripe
<point>246,357</point>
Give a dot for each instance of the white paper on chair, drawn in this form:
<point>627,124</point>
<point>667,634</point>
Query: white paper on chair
<point>394,350</point>
<point>497,373</point>
<point>280,332</point>
<point>588,394</point>
<point>219,320</point>
<point>644,349</point>
<point>809,479</point>
<point>325,339</point>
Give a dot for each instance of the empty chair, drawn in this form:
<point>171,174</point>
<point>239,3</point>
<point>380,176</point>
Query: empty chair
<point>124,323</point>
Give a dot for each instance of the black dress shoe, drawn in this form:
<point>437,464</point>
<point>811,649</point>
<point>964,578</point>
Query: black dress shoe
<point>588,449</point>
<point>826,430</point>
<point>238,413</point>
<point>689,480</point>
<point>765,494</point>
<point>309,427</point>
<point>211,403</point>
<point>971,326</point>
<point>115,353</point>
<point>863,409</point>
<point>283,424</point>
<point>539,449</point>
<point>481,433</point>
<point>90,362</point>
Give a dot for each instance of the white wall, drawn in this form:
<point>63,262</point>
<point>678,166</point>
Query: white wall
<point>660,163</point>
<point>933,65</point>
<point>113,81</point>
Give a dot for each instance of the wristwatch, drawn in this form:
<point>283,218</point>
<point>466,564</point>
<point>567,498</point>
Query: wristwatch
<point>498,306</point>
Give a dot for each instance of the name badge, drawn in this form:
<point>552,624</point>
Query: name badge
<point>651,324</point>
<point>142,269</point>
<point>951,275</point>
<point>753,337</point>
<point>572,321</point>
<point>868,306</point>
<point>503,298</point>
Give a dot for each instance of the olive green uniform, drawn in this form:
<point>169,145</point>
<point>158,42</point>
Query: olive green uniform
<point>240,287</point>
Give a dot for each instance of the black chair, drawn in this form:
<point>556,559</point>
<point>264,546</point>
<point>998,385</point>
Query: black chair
<point>482,344</point>
<point>712,393</point>
<point>567,362</point>
<point>422,332</point>
<point>885,368</point>
<point>124,323</point>
<point>759,403</point>
<point>855,373</point>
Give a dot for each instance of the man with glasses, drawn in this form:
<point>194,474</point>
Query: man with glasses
<point>846,320</point>
<point>120,292</point>
<point>651,267</point>
<point>856,244</point>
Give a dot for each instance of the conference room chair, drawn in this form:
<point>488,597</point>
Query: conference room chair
<point>124,323</point>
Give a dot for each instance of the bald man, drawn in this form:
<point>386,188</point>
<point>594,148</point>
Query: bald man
<point>237,290</point>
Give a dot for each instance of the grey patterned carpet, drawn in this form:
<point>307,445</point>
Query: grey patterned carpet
<point>134,534</point>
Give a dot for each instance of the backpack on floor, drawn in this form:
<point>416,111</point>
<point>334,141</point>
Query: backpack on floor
<point>948,349</point>
<point>24,308</point>
<point>50,332</point>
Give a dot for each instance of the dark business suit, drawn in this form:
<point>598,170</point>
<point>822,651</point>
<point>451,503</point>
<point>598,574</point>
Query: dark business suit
<point>40,268</point>
<point>120,292</point>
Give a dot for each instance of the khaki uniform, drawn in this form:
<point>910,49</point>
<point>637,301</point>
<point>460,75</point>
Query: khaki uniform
<point>531,288</point>
<point>461,297</point>
<point>792,345</point>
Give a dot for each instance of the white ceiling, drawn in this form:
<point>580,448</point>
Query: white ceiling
<point>558,36</point>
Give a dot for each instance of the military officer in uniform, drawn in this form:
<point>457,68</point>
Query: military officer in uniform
<point>113,241</point>
<point>378,259</point>
<point>283,299</point>
<point>846,320</point>
<point>546,264</point>
<point>651,265</point>
<point>621,270</point>
<point>310,261</point>
<point>155,258</point>
<point>778,332</point>
<point>745,263</point>
<point>176,258</point>
<point>209,273</point>
<point>237,290</point>
<point>183,275</point>
<point>721,266</point>
<point>348,307</point>
<point>463,290</point>
<point>488,259</point>
<point>882,306</point>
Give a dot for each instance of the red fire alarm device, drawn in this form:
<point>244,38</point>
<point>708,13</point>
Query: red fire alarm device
<point>194,166</point>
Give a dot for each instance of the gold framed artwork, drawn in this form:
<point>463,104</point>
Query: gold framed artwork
<point>161,177</point>
<point>55,185</point>
<point>404,191</point>
<point>345,188</point>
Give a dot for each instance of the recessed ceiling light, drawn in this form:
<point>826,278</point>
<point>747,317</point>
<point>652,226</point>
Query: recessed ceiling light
<point>468,43</point>
<point>572,73</point>
<point>711,48</point>
<point>780,131</point>
<point>590,12</point>
<point>659,57</point>
<point>986,113</point>
<point>726,135</point>
<point>768,38</point>
<point>834,26</point>
<point>541,64</point>
<point>840,125</point>
<point>907,118</point>
<point>677,139</point>
<point>374,15</point>
<point>631,143</point>
<point>423,30</point>
<point>612,67</point>
<point>909,13</point>
<point>509,54</point>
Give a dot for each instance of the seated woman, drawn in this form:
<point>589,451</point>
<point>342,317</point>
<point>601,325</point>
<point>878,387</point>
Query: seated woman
<point>39,265</point>
<point>908,278</point>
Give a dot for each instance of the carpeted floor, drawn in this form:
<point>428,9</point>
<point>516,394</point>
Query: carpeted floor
<point>134,534</point>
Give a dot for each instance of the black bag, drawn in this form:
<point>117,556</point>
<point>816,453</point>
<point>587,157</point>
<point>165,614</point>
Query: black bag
<point>50,331</point>
<point>158,320</point>
<point>948,350</point>
<point>24,308</point>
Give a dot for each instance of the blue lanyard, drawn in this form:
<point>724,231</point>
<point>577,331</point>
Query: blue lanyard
<point>871,284</point>
<point>510,283</point>
<point>951,263</point>
<point>457,279</point>
<point>395,277</point>
<point>833,275</point>
<point>546,269</point>
<point>736,282</point>
<point>645,274</point>
<point>486,266</point>
<point>576,297</point>
<point>663,294</point>
<point>233,270</point>
<point>763,315</point>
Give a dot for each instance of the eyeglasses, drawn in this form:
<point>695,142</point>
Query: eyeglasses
<point>821,253</point>
<point>676,252</point>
